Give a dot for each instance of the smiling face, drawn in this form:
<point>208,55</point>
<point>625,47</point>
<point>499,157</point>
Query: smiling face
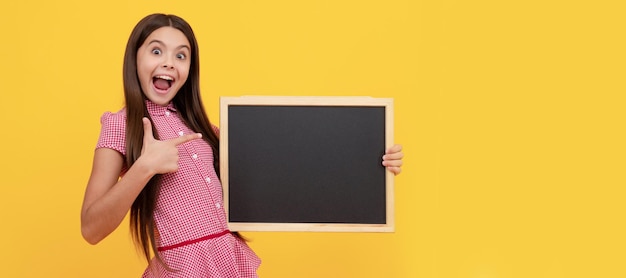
<point>163,62</point>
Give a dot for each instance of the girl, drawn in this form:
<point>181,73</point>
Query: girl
<point>158,158</point>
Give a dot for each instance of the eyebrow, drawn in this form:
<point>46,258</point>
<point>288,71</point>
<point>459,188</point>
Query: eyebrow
<point>179,47</point>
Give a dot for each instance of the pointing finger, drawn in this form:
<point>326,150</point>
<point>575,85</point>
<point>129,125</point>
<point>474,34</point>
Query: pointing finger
<point>185,138</point>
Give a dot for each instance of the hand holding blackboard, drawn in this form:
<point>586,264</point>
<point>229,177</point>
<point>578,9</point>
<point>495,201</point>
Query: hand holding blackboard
<point>393,159</point>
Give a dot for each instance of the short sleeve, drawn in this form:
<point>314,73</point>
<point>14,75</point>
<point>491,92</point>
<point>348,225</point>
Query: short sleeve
<point>113,132</point>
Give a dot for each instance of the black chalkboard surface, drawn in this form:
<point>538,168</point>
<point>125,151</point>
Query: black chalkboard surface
<point>306,163</point>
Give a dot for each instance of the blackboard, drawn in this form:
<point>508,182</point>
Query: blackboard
<point>306,163</point>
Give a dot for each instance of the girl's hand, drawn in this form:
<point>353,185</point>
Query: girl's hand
<point>161,156</point>
<point>393,159</point>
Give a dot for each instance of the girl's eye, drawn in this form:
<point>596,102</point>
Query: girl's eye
<point>181,56</point>
<point>156,51</point>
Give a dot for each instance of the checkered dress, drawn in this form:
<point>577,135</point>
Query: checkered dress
<point>192,234</point>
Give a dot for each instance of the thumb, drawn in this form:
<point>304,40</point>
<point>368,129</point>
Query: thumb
<point>147,130</point>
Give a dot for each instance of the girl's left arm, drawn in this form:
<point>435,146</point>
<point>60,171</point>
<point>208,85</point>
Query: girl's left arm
<point>393,159</point>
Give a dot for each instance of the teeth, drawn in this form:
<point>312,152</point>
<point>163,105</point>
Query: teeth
<point>164,77</point>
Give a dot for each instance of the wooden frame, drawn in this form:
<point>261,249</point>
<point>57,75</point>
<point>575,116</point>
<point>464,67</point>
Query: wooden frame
<point>228,103</point>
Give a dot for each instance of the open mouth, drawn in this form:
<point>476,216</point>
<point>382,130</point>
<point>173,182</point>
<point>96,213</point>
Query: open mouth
<point>162,82</point>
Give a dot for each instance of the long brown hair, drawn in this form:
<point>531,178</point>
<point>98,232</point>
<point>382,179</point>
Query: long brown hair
<point>187,101</point>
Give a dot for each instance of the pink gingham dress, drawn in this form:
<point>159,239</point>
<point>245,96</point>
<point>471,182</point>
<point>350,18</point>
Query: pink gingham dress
<point>192,234</point>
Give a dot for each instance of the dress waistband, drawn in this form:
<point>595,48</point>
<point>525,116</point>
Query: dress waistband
<point>184,243</point>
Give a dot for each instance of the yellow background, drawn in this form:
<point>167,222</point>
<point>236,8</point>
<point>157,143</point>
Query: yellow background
<point>511,114</point>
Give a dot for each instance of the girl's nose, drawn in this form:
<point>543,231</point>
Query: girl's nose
<point>168,62</point>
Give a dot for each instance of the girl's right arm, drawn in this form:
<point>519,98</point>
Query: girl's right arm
<point>108,197</point>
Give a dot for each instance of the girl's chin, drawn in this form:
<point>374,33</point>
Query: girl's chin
<point>162,100</point>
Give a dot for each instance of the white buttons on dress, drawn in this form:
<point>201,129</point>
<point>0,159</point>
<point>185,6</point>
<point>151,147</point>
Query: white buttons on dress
<point>195,156</point>
<point>208,179</point>
<point>217,205</point>
<point>167,113</point>
<point>180,133</point>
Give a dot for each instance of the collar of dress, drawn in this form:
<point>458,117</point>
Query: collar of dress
<point>157,110</point>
